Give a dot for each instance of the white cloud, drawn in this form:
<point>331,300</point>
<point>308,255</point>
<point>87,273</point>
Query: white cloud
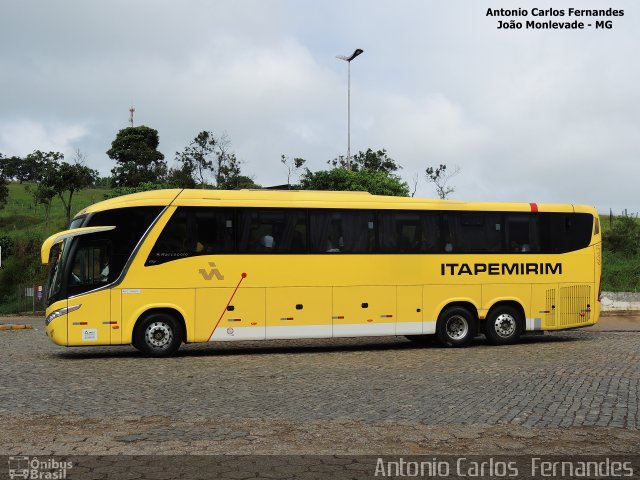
<point>23,137</point>
<point>531,115</point>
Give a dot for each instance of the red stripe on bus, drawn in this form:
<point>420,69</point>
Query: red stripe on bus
<point>534,207</point>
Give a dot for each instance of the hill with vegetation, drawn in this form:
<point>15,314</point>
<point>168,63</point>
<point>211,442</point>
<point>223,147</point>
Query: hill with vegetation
<point>23,228</point>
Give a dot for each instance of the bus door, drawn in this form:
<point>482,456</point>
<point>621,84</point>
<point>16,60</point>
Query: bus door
<point>89,302</point>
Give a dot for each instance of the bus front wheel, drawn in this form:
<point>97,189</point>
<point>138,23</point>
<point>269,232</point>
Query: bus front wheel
<point>158,335</point>
<point>503,326</point>
<point>455,327</point>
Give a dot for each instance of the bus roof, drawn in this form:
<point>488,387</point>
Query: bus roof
<point>313,199</point>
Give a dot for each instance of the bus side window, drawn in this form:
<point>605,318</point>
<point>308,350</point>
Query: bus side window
<point>172,243</point>
<point>346,231</point>
<point>270,230</point>
<point>521,232</point>
<point>407,232</point>
<point>213,231</point>
<point>565,232</point>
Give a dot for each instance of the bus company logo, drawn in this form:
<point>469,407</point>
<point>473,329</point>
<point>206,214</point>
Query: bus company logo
<point>37,469</point>
<point>501,269</point>
<point>213,272</point>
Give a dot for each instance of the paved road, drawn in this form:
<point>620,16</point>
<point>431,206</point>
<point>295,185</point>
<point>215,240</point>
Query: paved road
<point>565,393</point>
<point>568,392</point>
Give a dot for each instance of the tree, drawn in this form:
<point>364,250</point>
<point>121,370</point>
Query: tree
<point>34,166</point>
<point>292,166</point>
<point>370,171</point>
<point>143,187</point>
<point>181,177</point>
<point>414,183</point>
<point>239,182</point>
<point>227,166</point>
<point>207,153</point>
<point>11,167</point>
<point>102,182</point>
<point>199,156</point>
<point>135,150</point>
<point>439,177</point>
<point>377,161</point>
<point>375,182</point>
<point>4,190</point>
<point>43,195</point>
<point>65,179</point>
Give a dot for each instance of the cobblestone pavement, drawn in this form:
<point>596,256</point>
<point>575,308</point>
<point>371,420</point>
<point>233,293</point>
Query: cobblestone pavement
<point>562,393</point>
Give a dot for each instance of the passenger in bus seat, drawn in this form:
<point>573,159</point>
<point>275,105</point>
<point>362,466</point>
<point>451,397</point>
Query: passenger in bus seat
<point>267,243</point>
<point>104,272</point>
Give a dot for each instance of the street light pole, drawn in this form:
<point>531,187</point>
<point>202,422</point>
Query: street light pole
<point>348,59</point>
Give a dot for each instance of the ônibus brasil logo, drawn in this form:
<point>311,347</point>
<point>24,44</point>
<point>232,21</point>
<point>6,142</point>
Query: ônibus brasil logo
<point>38,469</point>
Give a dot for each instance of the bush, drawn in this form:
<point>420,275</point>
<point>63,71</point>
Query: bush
<point>143,187</point>
<point>624,236</point>
<point>7,245</point>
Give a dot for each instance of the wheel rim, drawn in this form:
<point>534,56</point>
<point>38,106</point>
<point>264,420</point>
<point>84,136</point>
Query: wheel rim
<point>457,327</point>
<point>158,335</point>
<point>505,325</point>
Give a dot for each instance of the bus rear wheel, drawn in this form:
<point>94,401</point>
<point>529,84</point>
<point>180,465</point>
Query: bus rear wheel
<point>455,327</point>
<point>503,326</point>
<point>158,335</point>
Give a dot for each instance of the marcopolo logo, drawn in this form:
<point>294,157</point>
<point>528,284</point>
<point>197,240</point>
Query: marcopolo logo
<point>213,272</point>
<point>38,469</point>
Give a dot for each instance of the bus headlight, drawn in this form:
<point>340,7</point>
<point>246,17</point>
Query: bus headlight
<point>58,313</point>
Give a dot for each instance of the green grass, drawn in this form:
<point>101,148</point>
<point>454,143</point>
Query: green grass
<point>620,271</point>
<point>21,216</point>
<point>24,224</point>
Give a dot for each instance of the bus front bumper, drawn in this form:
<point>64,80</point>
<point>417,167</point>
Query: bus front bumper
<point>56,325</point>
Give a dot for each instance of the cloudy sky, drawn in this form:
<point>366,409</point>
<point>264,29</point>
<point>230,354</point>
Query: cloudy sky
<point>527,115</point>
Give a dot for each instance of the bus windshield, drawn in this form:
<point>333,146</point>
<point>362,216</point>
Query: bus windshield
<point>94,255</point>
<point>57,257</point>
<point>59,253</point>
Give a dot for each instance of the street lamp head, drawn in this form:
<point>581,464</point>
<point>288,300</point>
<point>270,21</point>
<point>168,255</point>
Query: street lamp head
<point>346,58</point>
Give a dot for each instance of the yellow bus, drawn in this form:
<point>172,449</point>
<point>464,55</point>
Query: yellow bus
<point>160,268</point>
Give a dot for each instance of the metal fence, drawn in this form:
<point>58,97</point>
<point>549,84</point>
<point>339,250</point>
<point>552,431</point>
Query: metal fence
<point>29,299</point>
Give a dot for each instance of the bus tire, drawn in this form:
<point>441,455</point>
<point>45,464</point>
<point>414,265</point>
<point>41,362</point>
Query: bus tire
<point>158,335</point>
<point>503,326</point>
<point>455,327</point>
